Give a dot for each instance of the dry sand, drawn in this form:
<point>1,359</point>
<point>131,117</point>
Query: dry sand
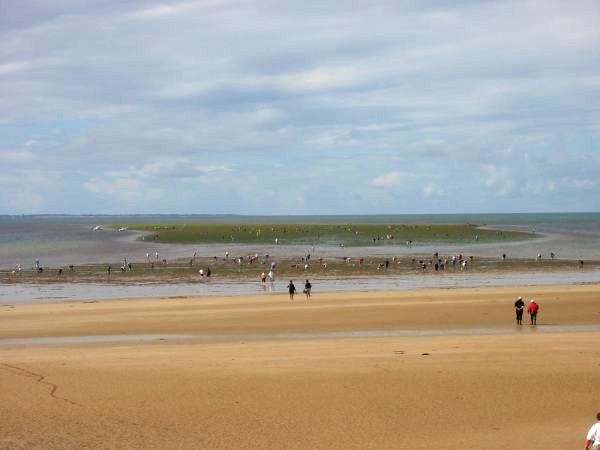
<point>263,372</point>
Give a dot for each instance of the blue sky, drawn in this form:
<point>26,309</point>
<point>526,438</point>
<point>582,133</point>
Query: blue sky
<point>278,107</point>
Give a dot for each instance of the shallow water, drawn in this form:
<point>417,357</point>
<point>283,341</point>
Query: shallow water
<point>21,293</point>
<point>63,240</point>
<point>59,241</point>
<point>357,334</point>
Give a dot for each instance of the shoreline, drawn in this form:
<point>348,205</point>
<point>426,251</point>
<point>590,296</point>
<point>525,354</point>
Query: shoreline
<point>58,291</point>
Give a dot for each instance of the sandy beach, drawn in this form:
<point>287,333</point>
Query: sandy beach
<point>411,370</point>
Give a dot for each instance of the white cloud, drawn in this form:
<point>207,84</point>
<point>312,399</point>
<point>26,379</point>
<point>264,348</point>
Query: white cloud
<point>162,10</point>
<point>432,190</point>
<point>419,96</point>
<point>180,168</point>
<point>126,187</point>
<point>15,155</point>
<point>387,180</point>
<point>499,180</point>
<point>14,67</point>
<point>538,187</point>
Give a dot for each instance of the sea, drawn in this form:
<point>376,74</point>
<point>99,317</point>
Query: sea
<point>60,240</point>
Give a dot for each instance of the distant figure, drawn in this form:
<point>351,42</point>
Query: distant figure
<point>552,256</point>
<point>291,289</point>
<point>581,263</point>
<point>263,278</point>
<point>532,310</point>
<point>519,309</point>
<point>156,254</point>
<point>71,267</point>
<point>201,272</point>
<point>60,272</point>
<point>593,436</point>
<point>539,256</point>
<point>271,276</point>
<point>208,272</point>
<point>109,269</point>
<point>503,256</point>
<point>37,264</point>
<point>307,289</point>
<point>306,267</point>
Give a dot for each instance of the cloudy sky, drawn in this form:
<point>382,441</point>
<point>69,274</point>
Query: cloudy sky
<point>308,107</point>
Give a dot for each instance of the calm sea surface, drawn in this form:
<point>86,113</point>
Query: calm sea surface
<point>62,240</point>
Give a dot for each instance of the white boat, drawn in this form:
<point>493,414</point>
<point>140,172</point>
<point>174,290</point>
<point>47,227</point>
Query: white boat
<point>123,228</point>
<point>97,228</point>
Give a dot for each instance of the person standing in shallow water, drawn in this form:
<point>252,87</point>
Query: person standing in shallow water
<point>307,289</point>
<point>532,310</point>
<point>519,309</point>
<point>291,289</point>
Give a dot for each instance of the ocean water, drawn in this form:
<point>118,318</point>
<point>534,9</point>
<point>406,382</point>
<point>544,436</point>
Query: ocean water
<point>63,240</point>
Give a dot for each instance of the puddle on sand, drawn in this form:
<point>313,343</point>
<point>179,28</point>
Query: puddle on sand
<point>357,334</point>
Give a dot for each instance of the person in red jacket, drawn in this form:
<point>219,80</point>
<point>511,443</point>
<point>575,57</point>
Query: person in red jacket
<point>532,310</point>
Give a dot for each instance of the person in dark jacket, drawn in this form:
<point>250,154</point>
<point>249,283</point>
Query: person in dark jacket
<point>291,289</point>
<point>307,288</point>
<point>519,309</point>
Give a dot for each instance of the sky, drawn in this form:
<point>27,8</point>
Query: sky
<point>307,107</point>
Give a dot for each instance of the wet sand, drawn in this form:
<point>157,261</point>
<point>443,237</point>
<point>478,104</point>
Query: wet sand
<point>263,372</point>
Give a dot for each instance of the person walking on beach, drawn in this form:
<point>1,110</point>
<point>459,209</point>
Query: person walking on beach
<point>519,309</point>
<point>263,278</point>
<point>307,288</point>
<point>532,310</point>
<point>593,436</point>
<point>291,289</point>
